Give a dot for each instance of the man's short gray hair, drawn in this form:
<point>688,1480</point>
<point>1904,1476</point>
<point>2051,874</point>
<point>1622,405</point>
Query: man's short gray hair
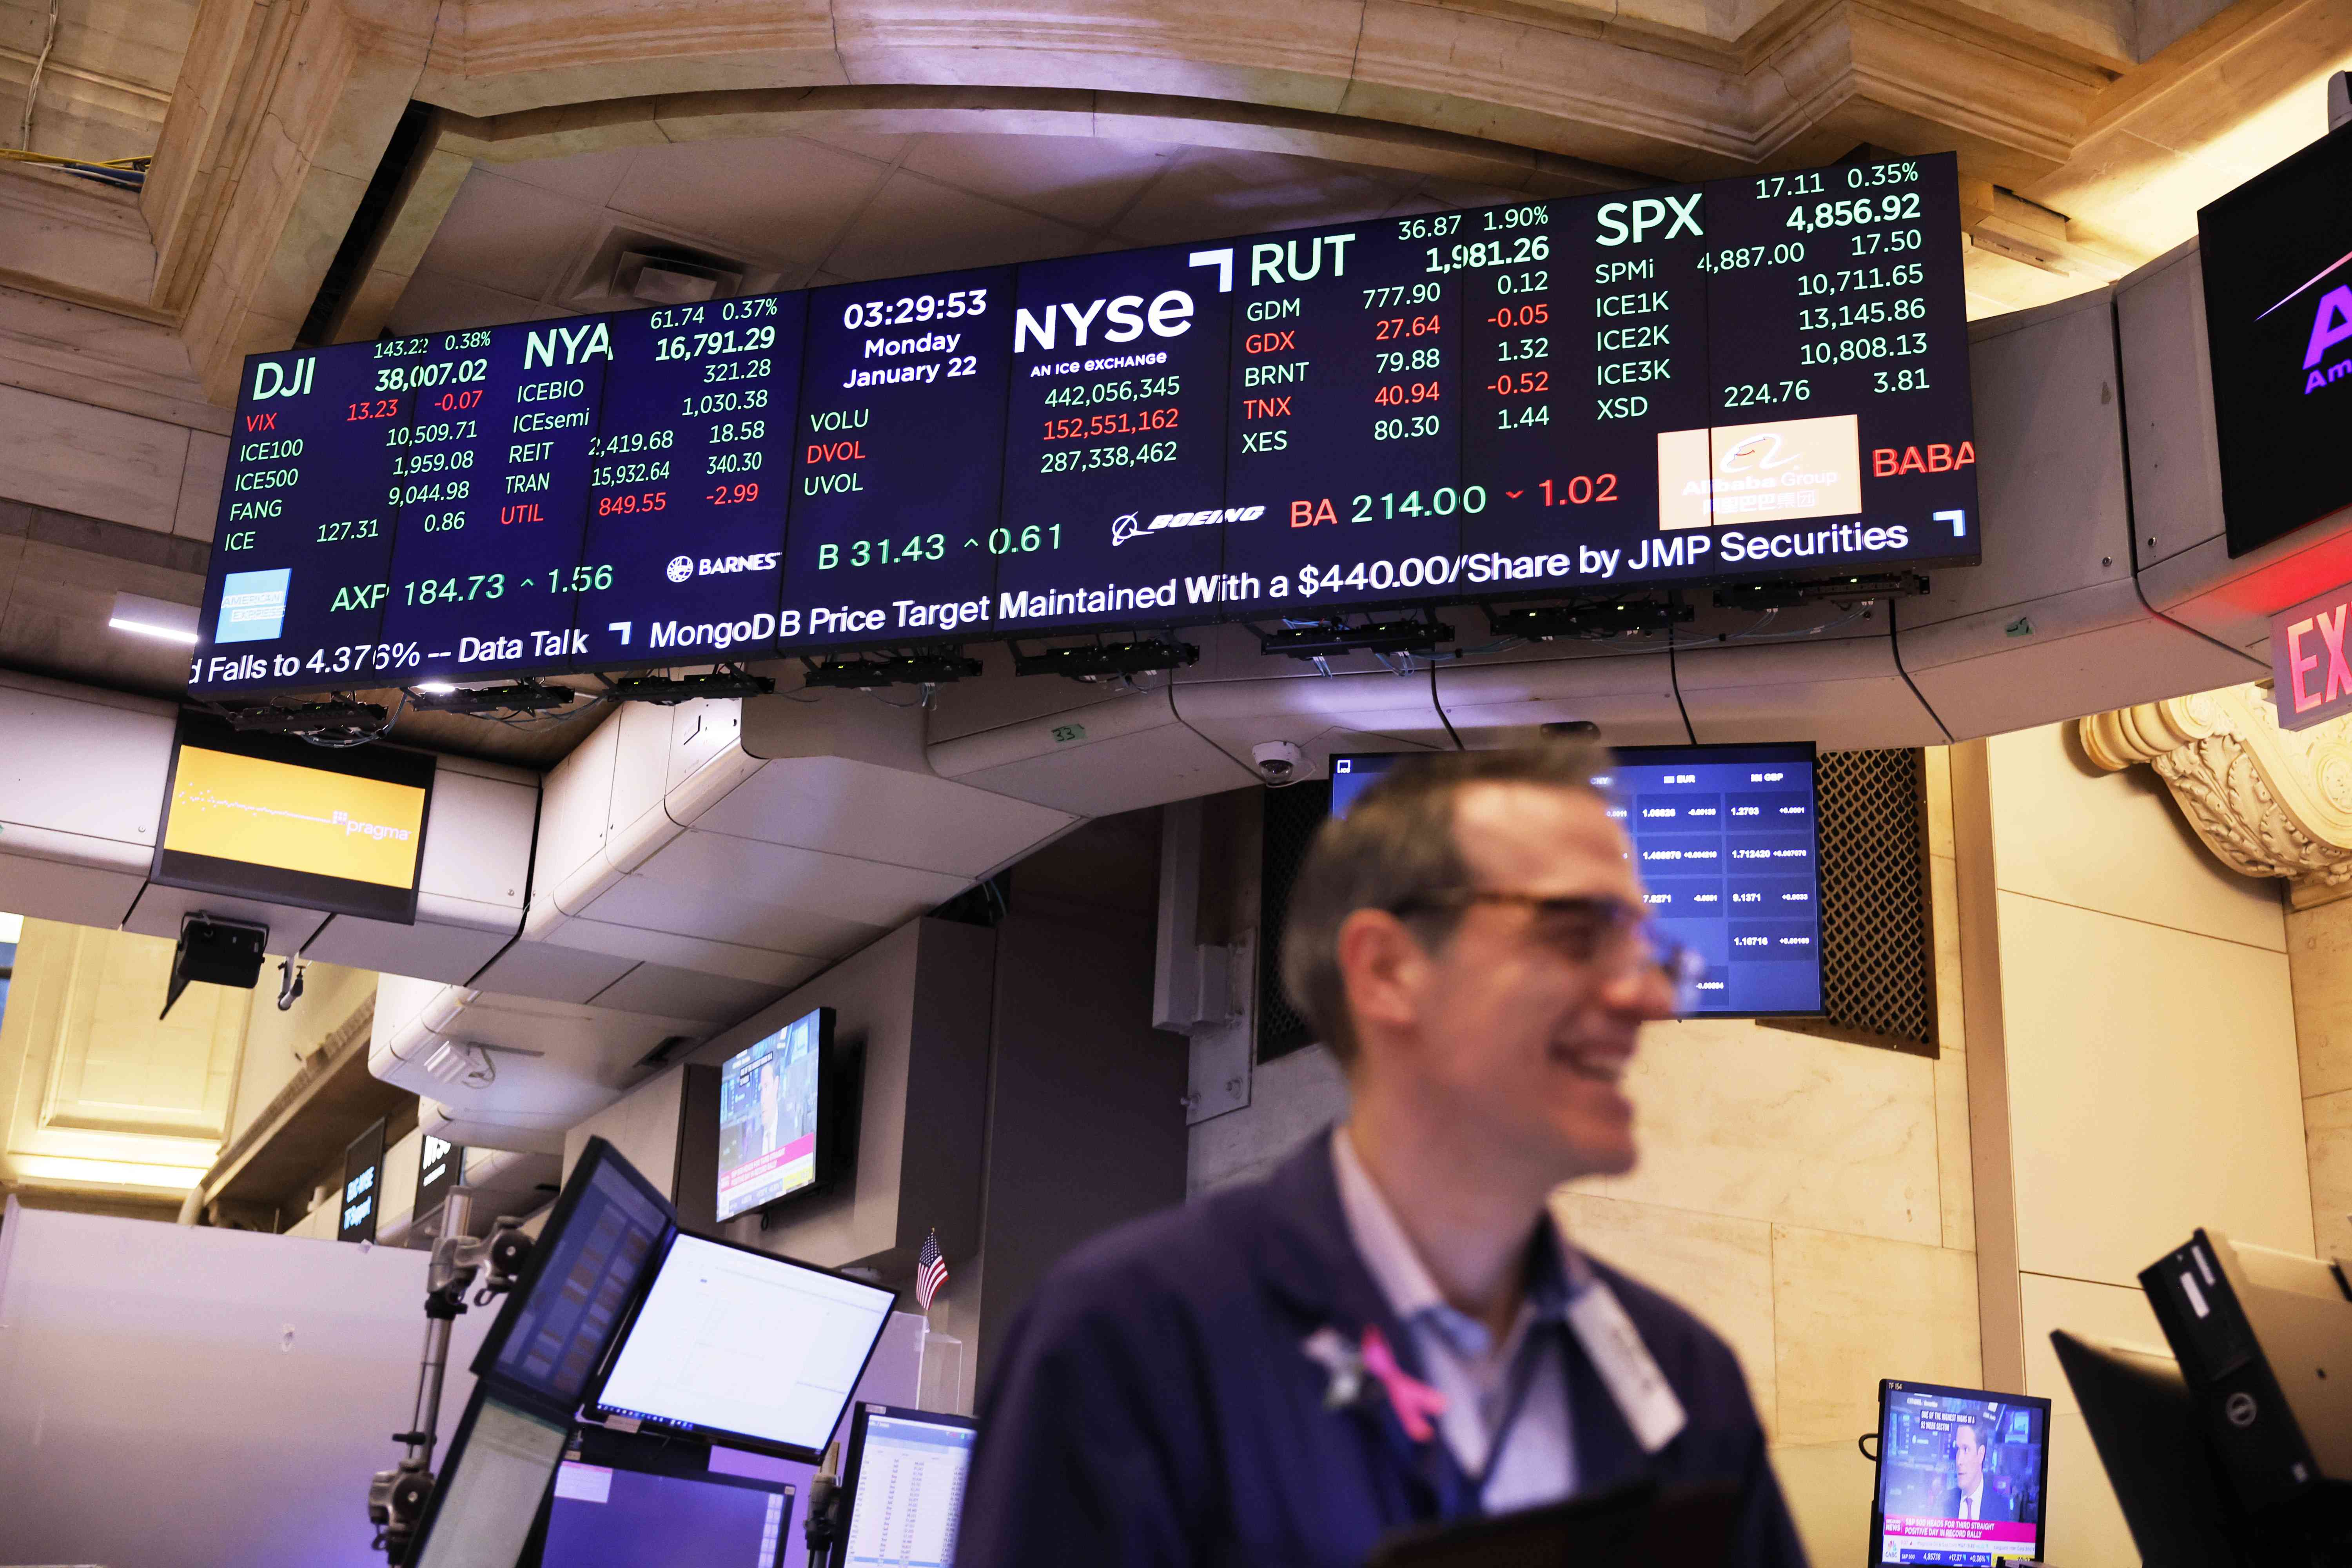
<point>1396,846</point>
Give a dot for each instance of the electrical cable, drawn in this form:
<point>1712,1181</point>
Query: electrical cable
<point>33,87</point>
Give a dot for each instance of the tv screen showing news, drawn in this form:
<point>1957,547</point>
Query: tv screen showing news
<point>1726,844</point>
<point>745,1348</point>
<point>771,1115</point>
<point>271,817</point>
<point>1960,1475</point>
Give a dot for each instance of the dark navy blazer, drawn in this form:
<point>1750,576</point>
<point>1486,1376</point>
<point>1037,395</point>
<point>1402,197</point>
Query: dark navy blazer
<point>1151,1406</point>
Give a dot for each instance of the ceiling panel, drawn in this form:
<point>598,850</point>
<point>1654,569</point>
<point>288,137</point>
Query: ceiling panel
<point>782,200</point>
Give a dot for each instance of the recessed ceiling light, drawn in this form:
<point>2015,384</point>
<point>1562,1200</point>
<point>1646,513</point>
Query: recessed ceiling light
<point>147,618</point>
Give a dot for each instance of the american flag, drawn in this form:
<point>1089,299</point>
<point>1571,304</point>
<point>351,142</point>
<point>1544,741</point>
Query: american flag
<point>930,1271</point>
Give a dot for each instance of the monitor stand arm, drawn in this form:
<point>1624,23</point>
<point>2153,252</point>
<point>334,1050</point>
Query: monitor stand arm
<point>396,1497</point>
<point>823,1531</point>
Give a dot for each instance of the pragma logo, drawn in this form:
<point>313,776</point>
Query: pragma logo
<point>1130,525</point>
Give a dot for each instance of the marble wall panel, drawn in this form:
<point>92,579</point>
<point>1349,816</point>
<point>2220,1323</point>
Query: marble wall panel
<point>2133,1051</point>
<point>2319,953</point>
<point>2328,1132</point>
<point>200,485</point>
<point>76,456</point>
<point>1955,1171</point>
<point>2066,832</point>
<point>1719,1267</point>
<point>1850,1310</point>
<point>1827,1486</point>
<point>2079,1307</point>
<point>1766,1124</point>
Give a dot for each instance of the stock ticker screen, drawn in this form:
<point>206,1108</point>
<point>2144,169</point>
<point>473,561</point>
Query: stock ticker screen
<point>1739,379</point>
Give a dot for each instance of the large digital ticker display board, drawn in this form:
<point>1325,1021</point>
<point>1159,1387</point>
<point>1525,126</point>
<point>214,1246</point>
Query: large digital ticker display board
<point>1740,379</point>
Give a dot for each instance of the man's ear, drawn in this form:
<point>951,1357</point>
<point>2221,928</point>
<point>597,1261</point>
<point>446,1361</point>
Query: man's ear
<point>1382,967</point>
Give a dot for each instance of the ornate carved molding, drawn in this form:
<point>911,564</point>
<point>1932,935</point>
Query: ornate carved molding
<point>2267,802</point>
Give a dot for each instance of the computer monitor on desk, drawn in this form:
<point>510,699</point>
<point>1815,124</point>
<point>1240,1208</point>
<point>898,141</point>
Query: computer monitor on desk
<point>612,1515</point>
<point>904,1481</point>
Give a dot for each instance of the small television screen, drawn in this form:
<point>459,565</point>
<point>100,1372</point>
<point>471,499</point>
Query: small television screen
<point>1728,846</point>
<point>610,1516</point>
<point>1960,1476</point>
<point>772,1136</point>
<point>905,1476</point>
<point>2276,255</point>
<point>744,1348</point>
<point>270,818</point>
<point>604,1237</point>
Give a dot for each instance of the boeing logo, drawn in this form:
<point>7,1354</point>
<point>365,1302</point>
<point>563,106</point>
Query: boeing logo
<point>1130,525</point>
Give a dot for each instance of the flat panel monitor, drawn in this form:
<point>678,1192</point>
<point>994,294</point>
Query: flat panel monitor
<point>496,1474</point>
<point>905,1480</point>
<point>744,1348</point>
<point>1961,1473</point>
<point>274,818</point>
<point>611,1516</point>
<point>2143,1421</point>
<point>2277,260</point>
<point>605,1233</point>
<point>773,1132</point>
<point>1728,849</point>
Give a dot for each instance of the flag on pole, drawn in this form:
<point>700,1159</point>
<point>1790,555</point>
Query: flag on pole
<point>930,1271</point>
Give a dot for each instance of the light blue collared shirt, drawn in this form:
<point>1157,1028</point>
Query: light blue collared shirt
<point>1479,1377</point>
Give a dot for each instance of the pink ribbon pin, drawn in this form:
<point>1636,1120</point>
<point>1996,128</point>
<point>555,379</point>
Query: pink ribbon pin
<point>1413,1400</point>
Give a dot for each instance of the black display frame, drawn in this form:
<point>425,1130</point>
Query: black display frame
<point>853,1458</point>
<point>593,1158</point>
<point>2261,236</point>
<point>1989,1395</point>
<point>275,884</point>
<point>454,1457</point>
<point>1947,452</point>
<point>835,1088</point>
<point>593,1408</point>
<point>663,1460</point>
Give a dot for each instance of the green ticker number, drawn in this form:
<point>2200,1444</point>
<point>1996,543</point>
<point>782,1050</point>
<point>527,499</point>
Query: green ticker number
<point>882,552</point>
<point>1006,542</point>
<point>578,579</point>
<point>455,590</point>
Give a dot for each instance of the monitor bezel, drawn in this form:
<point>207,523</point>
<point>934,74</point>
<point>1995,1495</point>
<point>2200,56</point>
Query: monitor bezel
<point>830,1096</point>
<point>1878,1464</point>
<point>276,884</point>
<point>853,1458</point>
<point>593,1158</point>
<point>1805,751</point>
<point>592,1407</point>
<point>454,1456</point>
<point>645,1463</point>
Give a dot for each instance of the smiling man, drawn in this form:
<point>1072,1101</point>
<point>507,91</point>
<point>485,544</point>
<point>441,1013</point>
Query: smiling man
<point>1391,1331</point>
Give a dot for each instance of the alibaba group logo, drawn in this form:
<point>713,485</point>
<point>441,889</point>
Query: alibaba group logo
<point>1759,454</point>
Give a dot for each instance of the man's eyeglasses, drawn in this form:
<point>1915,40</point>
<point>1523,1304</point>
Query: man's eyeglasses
<point>1587,930</point>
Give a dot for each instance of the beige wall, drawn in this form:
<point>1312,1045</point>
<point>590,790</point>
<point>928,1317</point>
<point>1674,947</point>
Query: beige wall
<point>2141,1019</point>
<point>98,1096</point>
<point>277,1044</point>
<point>2319,956</point>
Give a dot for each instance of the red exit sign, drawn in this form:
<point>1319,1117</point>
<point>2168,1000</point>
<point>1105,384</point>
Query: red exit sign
<point>2310,664</point>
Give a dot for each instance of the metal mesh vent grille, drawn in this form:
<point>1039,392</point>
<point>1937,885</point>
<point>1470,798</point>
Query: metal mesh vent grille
<point>1877,957</point>
<point>1291,816</point>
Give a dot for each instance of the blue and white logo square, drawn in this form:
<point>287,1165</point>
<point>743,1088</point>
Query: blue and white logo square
<point>253,605</point>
